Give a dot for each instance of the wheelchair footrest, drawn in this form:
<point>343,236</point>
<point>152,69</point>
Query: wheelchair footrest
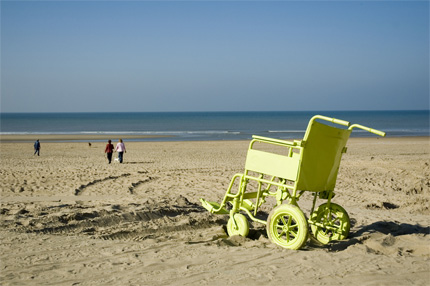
<point>213,207</point>
<point>247,204</point>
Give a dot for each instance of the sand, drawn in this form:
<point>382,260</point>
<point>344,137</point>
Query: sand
<point>69,218</point>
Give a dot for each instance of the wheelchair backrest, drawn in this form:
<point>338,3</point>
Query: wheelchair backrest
<point>322,152</point>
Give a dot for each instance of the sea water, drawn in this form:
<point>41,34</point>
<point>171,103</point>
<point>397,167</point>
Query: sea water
<point>187,126</point>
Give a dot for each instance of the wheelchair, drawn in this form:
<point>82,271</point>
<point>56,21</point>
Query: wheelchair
<point>298,166</point>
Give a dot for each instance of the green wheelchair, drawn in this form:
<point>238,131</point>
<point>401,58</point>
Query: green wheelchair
<point>308,165</point>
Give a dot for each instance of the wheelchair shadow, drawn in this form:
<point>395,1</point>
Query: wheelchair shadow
<point>384,227</point>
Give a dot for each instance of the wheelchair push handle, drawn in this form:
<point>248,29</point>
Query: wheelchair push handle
<point>333,120</point>
<point>347,124</point>
<point>374,131</point>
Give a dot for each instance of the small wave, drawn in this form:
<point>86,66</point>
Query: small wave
<point>212,132</point>
<point>40,133</point>
<point>286,131</point>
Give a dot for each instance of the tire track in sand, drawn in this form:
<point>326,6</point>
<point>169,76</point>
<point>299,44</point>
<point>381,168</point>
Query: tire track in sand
<point>79,190</point>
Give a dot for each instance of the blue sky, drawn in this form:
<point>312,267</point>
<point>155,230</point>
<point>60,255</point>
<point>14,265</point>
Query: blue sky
<point>90,56</point>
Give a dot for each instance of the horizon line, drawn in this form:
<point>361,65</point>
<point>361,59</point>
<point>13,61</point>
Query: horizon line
<point>214,111</point>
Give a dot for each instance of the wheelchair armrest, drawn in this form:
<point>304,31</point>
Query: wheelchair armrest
<point>275,141</point>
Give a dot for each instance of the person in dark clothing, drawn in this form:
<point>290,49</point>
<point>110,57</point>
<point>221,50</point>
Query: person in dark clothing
<point>109,150</point>
<point>37,148</point>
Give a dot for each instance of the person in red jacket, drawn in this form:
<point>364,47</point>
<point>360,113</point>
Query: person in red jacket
<point>109,150</point>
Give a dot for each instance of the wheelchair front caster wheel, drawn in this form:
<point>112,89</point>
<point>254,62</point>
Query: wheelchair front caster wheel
<point>241,228</point>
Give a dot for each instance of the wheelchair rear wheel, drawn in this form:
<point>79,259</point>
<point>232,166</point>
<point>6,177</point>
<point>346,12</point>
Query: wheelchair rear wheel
<point>242,228</point>
<point>335,221</point>
<point>287,227</point>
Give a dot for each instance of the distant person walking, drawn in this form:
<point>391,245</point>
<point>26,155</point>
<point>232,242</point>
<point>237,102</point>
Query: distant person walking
<point>109,150</point>
<point>120,148</point>
<point>37,148</point>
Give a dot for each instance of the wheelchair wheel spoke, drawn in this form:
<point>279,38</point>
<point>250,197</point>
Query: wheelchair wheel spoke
<point>293,233</point>
<point>280,234</point>
<point>283,220</point>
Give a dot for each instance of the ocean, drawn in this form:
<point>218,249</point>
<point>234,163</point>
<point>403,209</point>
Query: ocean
<point>190,126</point>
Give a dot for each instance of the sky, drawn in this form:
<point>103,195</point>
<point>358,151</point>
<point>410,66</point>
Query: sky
<point>150,56</point>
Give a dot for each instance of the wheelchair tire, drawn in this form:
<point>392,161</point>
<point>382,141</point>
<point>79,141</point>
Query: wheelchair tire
<point>287,227</point>
<point>336,217</point>
<point>242,225</point>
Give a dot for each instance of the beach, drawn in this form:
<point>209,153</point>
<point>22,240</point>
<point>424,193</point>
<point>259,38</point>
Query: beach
<point>70,218</point>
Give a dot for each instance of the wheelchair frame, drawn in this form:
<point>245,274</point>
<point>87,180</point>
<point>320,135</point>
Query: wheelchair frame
<point>310,165</point>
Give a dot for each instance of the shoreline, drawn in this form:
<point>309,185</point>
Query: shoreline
<point>78,138</point>
<point>72,137</point>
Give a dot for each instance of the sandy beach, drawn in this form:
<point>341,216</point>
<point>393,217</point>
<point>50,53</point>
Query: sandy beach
<point>69,218</point>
